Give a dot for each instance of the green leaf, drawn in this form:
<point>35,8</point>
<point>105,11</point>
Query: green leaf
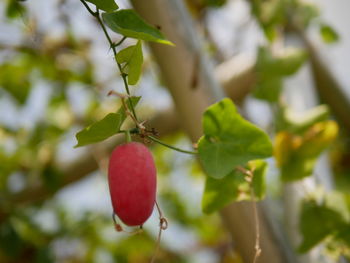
<point>100,130</point>
<point>128,23</point>
<point>133,58</point>
<point>299,122</point>
<point>343,235</point>
<point>284,64</point>
<point>272,68</point>
<point>328,34</point>
<point>268,88</point>
<point>259,168</point>
<point>220,192</point>
<point>337,201</point>
<point>313,233</point>
<point>296,155</point>
<point>234,187</point>
<point>229,140</point>
<point>105,128</point>
<point>290,61</point>
<point>270,32</point>
<point>105,5</point>
<point>15,9</point>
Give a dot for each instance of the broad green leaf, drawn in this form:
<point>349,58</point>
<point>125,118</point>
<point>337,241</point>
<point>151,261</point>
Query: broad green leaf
<point>229,140</point>
<point>100,130</point>
<point>314,233</point>
<point>298,123</point>
<point>296,155</point>
<point>220,192</point>
<point>128,23</point>
<point>268,88</point>
<point>234,187</point>
<point>343,235</point>
<point>105,5</point>
<point>105,128</point>
<point>133,58</point>
<point>289,62</point>
<point>283,64</point>
<point>328,34</point>
<point>272,68</point>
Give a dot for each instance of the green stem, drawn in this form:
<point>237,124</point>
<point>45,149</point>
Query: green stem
<point>113,47</point>
<point>170,146</point>
<point>88,8</point>
<point>127,137</point>
<point>120,42</point>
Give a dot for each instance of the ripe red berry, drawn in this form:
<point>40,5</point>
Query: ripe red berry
<point>132,183</point>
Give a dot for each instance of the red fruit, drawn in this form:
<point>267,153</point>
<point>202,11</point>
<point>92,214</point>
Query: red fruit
<point>132,183</point>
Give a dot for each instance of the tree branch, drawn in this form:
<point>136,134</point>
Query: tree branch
<point>327,85</point>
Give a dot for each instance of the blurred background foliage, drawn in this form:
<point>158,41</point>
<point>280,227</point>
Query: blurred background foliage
<point>55,72</point>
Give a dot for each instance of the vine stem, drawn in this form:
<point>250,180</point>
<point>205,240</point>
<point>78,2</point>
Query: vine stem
<point>249,178</point>
<point>113,47</point>
<point>127,136</point>
<point>170,146</point>
<point>163,225</point>
<point>257,227</point>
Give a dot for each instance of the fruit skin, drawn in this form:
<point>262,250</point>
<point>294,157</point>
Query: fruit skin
<point>132,182</point>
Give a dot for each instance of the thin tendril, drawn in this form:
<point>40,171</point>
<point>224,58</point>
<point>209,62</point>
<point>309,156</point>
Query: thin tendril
<point>170,146</point>
<point>249,178</point>
<point>257,227</point>
<point>163,224</point>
